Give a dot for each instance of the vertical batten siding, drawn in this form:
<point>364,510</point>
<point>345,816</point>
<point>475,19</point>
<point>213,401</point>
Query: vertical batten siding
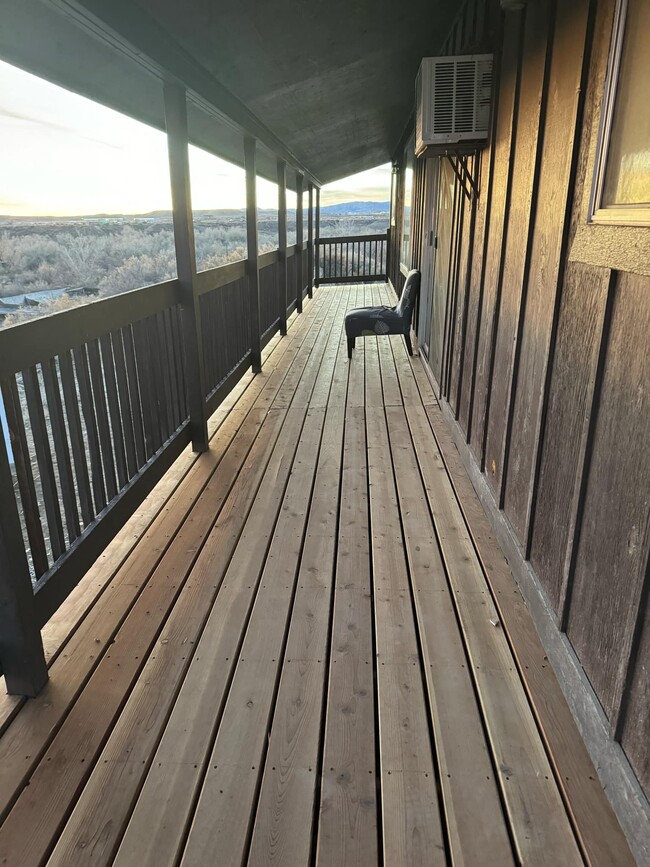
<point>544,367</point>
<point>503,146</point>
<point>520,218</point>
<point>548,249</point>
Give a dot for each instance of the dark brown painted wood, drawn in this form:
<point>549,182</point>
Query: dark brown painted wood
<point>90,422</point>
<point>635,722</point>
<point>477,273</point>
<point>610,563</point>
<point>282,245</point>
<point>24,476</point>
<point>460,297</point>
<point>101,414</point>
<point>317,238</point>
<point>462,351</point>
<point>310,240</point>
<point>252,266</point>
<point>162,352</point>
<point>509,86</point>
<point>549,243</point>
<point>21,648</point>
<point>61,448</point>
<point>573,373</point>
<point>299,243</point>
<point>71,399</point>
<point>39,428</point>
<point>107,364</point>
<point>177,141</point>
<point>25,345</point>
<point>124,402</point>
<point>517,233</point>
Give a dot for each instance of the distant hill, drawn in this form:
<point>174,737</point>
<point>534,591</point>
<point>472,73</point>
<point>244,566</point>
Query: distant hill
<point>357,208</point>
<point>345,209</point>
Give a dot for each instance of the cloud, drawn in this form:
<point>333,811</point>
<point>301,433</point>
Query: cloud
<point>66,129</point>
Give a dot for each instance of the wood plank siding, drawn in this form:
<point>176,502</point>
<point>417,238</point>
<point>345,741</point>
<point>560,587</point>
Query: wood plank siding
<point>545,377</point>
<point>304,649</point>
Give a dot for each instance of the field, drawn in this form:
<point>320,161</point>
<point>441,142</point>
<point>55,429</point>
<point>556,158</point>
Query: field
<point>113,254</point>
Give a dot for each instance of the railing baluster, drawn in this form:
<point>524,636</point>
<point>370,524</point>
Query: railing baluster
<point>92,433</point>
<point>23,470</point>
<point>21,647</point>
<point>44,461</point>
<point>354,258</point>
<point>165,374</point>
<point>61,448</point>
<point>156,382</point>
<point>124,403</point>
<point>134,395</point>
<point>178,357</point>
<point>71,401</point>
<point>103,427</point>
<point>171,361</point>
<point>112,402</point>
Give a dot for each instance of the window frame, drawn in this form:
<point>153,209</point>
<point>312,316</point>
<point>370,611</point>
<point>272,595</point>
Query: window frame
<point>408,160</point>
<point>629,216</point>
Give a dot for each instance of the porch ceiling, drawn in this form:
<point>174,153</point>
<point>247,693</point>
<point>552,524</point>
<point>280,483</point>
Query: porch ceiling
<point>334,80</point>
<point>331,82</point>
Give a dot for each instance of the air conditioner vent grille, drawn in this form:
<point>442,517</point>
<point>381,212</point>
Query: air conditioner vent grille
<point>453,100</point>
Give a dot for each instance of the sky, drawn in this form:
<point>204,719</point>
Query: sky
<point>64,155</point>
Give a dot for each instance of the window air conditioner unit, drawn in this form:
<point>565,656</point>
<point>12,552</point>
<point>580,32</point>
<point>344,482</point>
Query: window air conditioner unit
<point>453,97</point>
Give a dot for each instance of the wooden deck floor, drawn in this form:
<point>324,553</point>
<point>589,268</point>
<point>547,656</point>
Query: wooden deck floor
<point>304,649</point>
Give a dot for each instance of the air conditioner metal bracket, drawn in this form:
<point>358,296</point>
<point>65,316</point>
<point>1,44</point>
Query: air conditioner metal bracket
<point>460,165</point>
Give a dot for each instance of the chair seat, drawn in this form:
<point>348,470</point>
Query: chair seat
<point>375,320</point>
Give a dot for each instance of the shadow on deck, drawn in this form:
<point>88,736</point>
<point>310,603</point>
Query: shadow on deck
<point>305,648</point>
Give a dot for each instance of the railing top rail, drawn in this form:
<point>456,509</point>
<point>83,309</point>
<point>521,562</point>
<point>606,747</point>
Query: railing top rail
<point>348,239</point>
<point>267,259</point>
<point>24,345</point>
<point>215,278</point>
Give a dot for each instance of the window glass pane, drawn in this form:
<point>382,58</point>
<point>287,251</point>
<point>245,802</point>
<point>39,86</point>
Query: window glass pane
<point>406,234</point>
<point>267,215</point>
<point>292,200</point>
<point>218,209</point>
<point>627,181</point>
<point>85,200</point>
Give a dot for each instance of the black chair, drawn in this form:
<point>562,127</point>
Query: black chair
<point>375,321</point>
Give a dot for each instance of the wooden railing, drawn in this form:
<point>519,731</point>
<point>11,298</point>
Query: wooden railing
<point>351,259</point>
<point>96,401</point>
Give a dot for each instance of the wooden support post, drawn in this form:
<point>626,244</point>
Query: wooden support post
<point>317,238</point>
<point>282,243</point>
<point>310,242</point>
<point>252,264</point>
<point>179,168</point>
<point>299,243</point>
<point>21,647</point>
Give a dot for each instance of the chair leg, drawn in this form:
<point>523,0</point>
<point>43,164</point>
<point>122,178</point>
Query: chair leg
<point>350,346</point>
<point>409,346</point>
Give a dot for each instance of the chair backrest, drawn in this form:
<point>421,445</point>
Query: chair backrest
<point>409,294</point>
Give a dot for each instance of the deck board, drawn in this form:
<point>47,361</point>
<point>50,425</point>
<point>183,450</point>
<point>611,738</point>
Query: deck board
<point>292,654</point>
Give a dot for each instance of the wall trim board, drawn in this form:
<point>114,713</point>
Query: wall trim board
<point>614,770</point>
